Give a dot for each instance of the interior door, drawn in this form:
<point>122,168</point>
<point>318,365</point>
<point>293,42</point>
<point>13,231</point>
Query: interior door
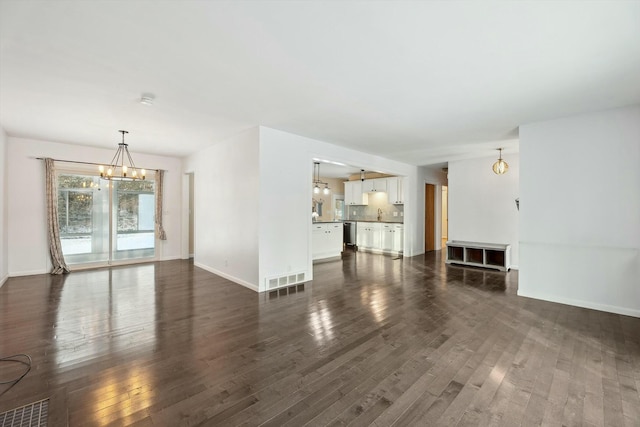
<point>429,217</point>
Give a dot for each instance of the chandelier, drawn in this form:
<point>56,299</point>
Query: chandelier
<point>117,170</point>
<point>316,180</point>
<point>500,167</point>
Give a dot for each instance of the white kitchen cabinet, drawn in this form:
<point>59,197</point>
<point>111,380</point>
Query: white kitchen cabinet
<point>380,237</point>
<point>374,185</point>
<point>353,193</point>
<point>398,238</point>
<point>369,235</point>
<point>361,234</point>
<point>395,190</point>
<point>392,238</point>
<point>387,237</point>
<point>326,240</point>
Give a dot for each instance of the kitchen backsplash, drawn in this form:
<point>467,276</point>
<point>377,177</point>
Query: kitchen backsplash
<point>389,212</point>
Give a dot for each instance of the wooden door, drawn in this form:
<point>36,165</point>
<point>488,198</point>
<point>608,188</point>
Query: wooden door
<point>429,217</point>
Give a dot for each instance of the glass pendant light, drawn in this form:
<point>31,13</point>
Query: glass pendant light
<point>500,167</point>
<point>317,182</point>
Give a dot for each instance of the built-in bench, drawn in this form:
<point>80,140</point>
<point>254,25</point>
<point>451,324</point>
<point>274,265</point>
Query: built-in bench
<point>487,255</point>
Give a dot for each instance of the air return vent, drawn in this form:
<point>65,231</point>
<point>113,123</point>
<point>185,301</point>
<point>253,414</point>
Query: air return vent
<point>286,280</point>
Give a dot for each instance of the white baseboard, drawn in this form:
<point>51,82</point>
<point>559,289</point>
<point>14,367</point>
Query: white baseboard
<point>514,267</point>
<point>4,279</point>
<point>28,273</point>
<point>170,258</point>
<point>580,303</point>
<point>227,276</point>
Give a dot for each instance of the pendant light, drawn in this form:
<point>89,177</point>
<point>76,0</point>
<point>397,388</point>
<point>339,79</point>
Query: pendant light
<point>117,170</point>
<point>500,167</point>
<point>316,181</point>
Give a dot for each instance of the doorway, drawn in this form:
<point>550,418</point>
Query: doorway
<point>191,217</point>
<point>445,215</point>
<point>429,217</point>
<point>338,207</point>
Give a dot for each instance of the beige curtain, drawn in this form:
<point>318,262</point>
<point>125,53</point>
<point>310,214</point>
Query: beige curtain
<point>159,190</point>
<point>55,247</point>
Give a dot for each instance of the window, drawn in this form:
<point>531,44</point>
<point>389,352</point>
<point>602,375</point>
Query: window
<point>101,221</point>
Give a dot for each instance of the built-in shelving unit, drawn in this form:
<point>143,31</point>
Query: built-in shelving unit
<point>487,255</point>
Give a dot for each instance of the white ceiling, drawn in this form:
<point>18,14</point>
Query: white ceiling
<point>420,82</point>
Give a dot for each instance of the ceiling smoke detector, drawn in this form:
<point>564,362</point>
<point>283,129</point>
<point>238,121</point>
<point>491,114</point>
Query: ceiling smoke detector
<point>147,99</point>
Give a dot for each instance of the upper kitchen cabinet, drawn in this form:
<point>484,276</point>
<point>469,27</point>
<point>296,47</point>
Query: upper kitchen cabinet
<point>353,194</point>
<point>395,190</point>
<point>374,185</point>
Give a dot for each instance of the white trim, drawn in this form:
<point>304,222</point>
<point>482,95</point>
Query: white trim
<point>227,276</point>
<point>184,244</point>
<point>4,279</point>
<point>515,267</point>
<point>28,273</point>
<point>321,260</point>
<point>171,258</point>
<point>581,303</point>
<point>118,263</point>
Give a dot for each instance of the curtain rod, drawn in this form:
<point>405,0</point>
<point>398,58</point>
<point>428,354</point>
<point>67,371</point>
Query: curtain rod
<point>92,163</point>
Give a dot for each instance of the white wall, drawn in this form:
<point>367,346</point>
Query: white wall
<point>285,208</point>
<point>252,196</point>
<point>580,211</point>
<point>226,183</point>
<point>28,251</point>
<point>286,162</point>
<point>4,252</point>
<point>482,204</point>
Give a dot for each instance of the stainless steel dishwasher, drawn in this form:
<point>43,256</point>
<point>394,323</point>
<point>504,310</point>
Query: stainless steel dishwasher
<point>350,234</point>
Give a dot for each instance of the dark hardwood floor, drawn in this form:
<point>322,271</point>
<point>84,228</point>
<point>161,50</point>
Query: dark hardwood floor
<point>371,341</point>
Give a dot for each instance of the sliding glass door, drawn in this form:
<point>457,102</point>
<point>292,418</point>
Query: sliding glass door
<point>105,221</point>
<point>133,219</point>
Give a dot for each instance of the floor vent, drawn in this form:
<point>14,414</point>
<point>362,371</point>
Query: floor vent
<point>31,415</point>
<point>282,281</point>
<point>286,290</point>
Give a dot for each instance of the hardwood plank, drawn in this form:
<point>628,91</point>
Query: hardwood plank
<point>372,341</point>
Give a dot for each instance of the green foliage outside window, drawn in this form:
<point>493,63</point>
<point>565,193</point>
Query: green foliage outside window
<point>76,198</point>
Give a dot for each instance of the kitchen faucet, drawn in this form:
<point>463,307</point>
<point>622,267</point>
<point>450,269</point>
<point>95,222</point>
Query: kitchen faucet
<point>379,214</point>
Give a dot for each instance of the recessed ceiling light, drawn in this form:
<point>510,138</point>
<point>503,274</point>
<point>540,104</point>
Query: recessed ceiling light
<point>147,99</point>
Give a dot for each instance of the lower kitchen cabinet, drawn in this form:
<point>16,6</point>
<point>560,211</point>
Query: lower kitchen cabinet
<point>326,240</point>
<point>392,237</point>
<point>380,237</point>
<point>368,235</point>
